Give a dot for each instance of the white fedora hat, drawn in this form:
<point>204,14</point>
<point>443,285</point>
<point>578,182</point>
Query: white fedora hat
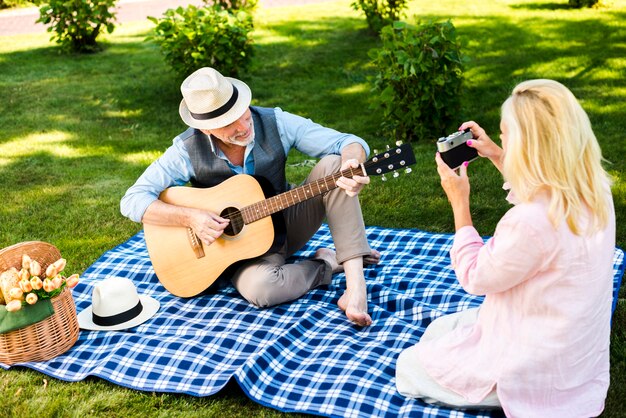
<point>212,101</point>
<point>116,306</point>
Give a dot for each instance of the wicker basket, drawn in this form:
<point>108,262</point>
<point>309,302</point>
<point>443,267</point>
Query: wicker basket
<point>48,338</point>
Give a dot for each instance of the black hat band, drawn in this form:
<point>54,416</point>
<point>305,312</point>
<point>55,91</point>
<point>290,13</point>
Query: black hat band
<point>220,110</point>
<point>107,321</point>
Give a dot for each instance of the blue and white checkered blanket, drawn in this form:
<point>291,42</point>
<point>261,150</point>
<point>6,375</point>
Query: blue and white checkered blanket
<point>302,356</point>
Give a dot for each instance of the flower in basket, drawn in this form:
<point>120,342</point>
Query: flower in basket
<point>18,288</point>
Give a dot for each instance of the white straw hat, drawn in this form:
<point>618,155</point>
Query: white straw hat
<point>116,306</point>
<point>212,101</point>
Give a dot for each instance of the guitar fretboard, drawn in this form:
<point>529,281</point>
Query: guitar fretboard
<point>292,197</point>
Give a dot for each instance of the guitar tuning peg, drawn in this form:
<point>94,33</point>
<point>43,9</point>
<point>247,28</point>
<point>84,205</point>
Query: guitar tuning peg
<point>383,178</point>
<point>387,146</point>
<point>398,143</point>
<point>395,174</point>
<point>375,151</point>
<point>408,170</point>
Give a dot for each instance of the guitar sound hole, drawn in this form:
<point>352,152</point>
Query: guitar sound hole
<point>236,221</point>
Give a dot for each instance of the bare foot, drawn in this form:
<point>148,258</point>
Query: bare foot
<point>355,307</point>
<point>354,300</point>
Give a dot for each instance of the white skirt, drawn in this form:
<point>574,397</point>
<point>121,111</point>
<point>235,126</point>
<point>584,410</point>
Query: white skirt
<point>413,381</point>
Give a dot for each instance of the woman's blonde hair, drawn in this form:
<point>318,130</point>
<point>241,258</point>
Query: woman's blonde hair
<point>551,147</point>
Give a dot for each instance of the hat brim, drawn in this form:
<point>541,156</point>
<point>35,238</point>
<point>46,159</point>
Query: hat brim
<point>243,102</point>
<point>150,307</point>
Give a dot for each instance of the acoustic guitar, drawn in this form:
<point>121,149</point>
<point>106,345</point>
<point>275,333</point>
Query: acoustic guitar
<point>186,267</point>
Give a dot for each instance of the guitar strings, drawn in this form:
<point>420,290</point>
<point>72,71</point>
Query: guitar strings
<point>237,217</point>
<point>279,202</point>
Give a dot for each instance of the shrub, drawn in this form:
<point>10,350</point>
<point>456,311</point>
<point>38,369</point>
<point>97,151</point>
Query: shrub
<point>78,23</point>
<point>578,4</point>
<point>419,79</point>
<point>210,36</point>
<point>380,13</point>
<point>5,4</point>
<point>236,4</point>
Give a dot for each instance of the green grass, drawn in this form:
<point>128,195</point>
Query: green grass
<point>76,131</point>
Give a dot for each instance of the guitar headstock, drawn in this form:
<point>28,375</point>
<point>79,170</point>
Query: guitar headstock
<point>393,159</point>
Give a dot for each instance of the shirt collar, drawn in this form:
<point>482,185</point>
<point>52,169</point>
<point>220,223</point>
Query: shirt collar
<point>217,151</point>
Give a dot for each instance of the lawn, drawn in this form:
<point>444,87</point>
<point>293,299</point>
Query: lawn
<point>76,131</point>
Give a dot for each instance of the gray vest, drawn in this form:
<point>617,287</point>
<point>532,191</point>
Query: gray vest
<point>269,155</point>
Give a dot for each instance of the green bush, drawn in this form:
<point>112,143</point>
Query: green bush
<point>419,79</point>
<point>237,4</point>
<point>78,23</point>
<point>380,13</point>
<point>578,4</point>
<point>210,36</point>
<point>5,4</point>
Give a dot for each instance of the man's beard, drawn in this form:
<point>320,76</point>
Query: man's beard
<point>242,142</point>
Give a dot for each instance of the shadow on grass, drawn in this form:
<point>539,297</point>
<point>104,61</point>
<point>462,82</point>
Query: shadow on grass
<point>583,65</point>
<point>99,99</point>
<point>542,6</point>
<point>72,202</point>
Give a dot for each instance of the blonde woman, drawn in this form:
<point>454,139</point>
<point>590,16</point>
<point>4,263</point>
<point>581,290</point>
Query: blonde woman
<point>538,346</point>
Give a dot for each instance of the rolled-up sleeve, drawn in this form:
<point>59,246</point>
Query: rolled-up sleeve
<point>173,168</point>
<point>312,138</point>
<point>514,254</point>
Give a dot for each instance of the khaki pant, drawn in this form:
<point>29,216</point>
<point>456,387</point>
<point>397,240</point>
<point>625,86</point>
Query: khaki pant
<point>413,381</point>
<point>268,281</point>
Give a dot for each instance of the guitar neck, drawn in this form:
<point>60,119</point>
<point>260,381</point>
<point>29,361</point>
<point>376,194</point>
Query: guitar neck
<point>292,197</point>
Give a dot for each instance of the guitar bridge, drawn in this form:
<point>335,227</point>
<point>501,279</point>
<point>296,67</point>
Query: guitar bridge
<point>196,245</point>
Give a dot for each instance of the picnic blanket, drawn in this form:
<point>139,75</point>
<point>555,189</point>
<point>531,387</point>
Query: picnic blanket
<point>302,356</point>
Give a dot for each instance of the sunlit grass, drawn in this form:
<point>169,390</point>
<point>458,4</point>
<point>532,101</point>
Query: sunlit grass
<point>49,142</point>
<point>141,158</point>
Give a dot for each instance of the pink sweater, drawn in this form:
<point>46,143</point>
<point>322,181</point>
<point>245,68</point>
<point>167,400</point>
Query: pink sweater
<point>542,336</point>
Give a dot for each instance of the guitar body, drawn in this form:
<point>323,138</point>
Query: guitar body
<point>175,262</point>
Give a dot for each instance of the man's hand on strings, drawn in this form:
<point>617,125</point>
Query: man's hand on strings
<point>208,226</point>
<point>352,186</point>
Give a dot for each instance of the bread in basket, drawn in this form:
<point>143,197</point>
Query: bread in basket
<point>54,335</point>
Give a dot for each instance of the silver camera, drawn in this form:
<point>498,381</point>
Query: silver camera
<point>454,150</point>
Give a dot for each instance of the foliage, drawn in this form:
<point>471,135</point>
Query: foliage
<point>210,36</point>
<point>78,23</point>
<point>578,4</point>
<point>5,4</point>
<point>380,13</point>
<point>236,4</point>
<point>419,79</point>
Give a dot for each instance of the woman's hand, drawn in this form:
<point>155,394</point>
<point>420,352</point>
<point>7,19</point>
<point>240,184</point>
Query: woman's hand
<point>483,144</point>
<point>457,189</point>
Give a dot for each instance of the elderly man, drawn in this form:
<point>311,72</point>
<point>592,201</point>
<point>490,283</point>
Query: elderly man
<point>226,137</point>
